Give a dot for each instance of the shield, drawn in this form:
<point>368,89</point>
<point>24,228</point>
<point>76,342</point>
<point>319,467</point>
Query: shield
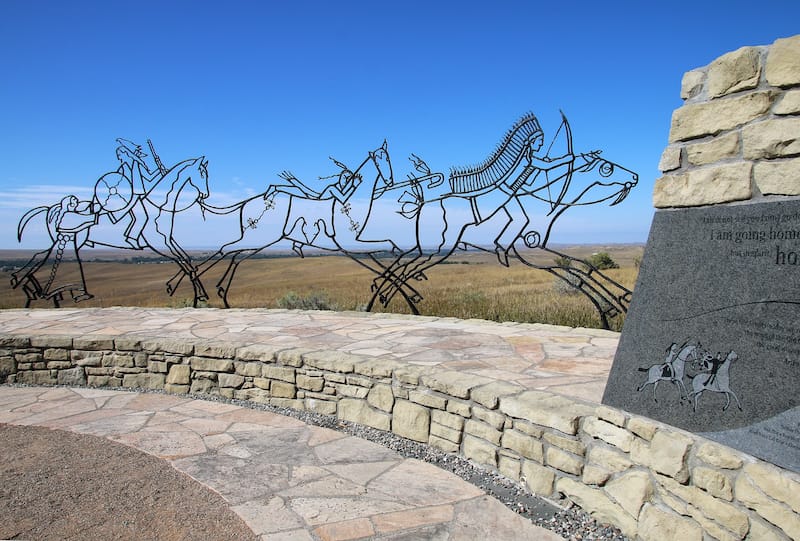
<point>113,192</point>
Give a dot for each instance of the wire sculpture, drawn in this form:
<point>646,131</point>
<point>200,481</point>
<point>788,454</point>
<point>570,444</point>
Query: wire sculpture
<point>516,195</point>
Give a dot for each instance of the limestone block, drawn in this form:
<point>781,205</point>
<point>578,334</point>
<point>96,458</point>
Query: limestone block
<point>56,354</point>
<point>459,407</point>
<point>7,366</point>
<point>759,531</point>
<point>16,342</point>
<point>282,389</point>
<point>670,159</point>
<point>563,461</point>
<point>255,352</point>
<point>71,376</point>
<point>207,364</point>
<point>776,484</point>
<point>381,397</point>
<point>326,407</point>
<point>574,446</point>
<point>489,395</point>
<point>293,356</point>
<point>733,518</point>
<point>783,62</point>
<point>127,344</point>
<point>692,83</point>
<point>482,430</point>
<point>704,186</point>
<point>734,71</point>
<point>492,418</point>
<point>140,359</point>
<point>546,409</point>
<point>203,386</point>
<point>352,391</point>
<point>28,357</point>
<point>176,389</point>
<point>612,415</point>
<point>595,475</point>
<point>770,139</point>
<point>632,490</point>
<point>780,515</point>
<point>788,104</point>
<point>58,365</point>
<point>411,421</point>
<point>523,444</point>
<point>453,383</point>
<point>442,444</point>
<point>282,373</point>
<point>527,428</point>
<point>656,524</point>
<point>143,381</point>
<point>123,360</point>
<point>37,377</point>
<point>666,453</point>
<point>158,367</point>
<point>719,456</point>
<point>93,343</point>
<point>165,345</point>
<point>537,478</point>
<point>358,411</point>
<point>508,466</point>
<point>360,381</point>
<point>614,435</point>
<point>334,378</point>
<point>219,350</point>
<point>780,177</point>
<point>86,358</point>
<point>179,374</point>
<point>710,118</point>
<point>480,451</point>
<point>446,433</point>
<point>335,361</point>
<point>599,505</point>
<point>429,399</point>
<point>99,381</point>
<point>720,148</point>
<point>230,380</point>
<point>292,403</point>
<point>310,383</point>
<point>377,368</point>
<point>262,383</point>
<point>713,481</point>
<point>450,420</point>
<point>410,374</point>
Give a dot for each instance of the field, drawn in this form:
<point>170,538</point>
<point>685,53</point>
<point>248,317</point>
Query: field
<point>469,285</point>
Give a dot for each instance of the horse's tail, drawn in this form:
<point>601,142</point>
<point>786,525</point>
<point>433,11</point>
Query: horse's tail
<point>27,218</point>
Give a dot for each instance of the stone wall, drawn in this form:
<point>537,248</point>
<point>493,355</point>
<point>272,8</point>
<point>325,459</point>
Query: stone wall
<point>737,136</point>
<point>653,481</point>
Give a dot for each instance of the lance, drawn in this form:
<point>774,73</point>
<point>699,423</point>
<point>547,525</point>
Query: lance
<point>161,168</point>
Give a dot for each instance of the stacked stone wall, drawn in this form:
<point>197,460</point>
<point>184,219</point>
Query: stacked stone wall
<point>652,480</point>
<point>737,136</point>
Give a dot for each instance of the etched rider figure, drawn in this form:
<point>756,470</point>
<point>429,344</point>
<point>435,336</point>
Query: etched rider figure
<point>341,189</point>
<point>135,169</point>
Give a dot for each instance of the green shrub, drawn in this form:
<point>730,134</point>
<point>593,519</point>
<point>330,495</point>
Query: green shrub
<point>313,301</point>
<point>601,261</point>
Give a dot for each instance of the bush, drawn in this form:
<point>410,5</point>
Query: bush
<point>601,261</point>
<point>312,301</point>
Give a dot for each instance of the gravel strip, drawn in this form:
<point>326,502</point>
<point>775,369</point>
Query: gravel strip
<point>563,518</point>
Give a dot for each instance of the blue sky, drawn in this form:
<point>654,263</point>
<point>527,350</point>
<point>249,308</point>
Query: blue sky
<point>262,86</point>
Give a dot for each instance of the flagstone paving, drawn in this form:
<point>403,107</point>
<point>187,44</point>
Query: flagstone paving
<point>285,479</point>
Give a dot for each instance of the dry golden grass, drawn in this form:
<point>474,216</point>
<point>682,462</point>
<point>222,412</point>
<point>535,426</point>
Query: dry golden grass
<point>470,285</point>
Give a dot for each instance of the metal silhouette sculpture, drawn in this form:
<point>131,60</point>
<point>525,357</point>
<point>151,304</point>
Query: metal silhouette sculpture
<point>516,195</point>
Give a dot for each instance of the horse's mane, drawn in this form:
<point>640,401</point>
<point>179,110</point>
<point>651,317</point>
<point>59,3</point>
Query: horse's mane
<point>505,157</point>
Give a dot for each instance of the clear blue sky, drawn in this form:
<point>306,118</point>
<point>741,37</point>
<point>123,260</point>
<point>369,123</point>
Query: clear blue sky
<point>262,86</point>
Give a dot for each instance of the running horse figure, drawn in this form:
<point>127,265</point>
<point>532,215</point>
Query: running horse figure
<point>489,193</point>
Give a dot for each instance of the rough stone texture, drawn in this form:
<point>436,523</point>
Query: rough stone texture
<point>783,62</point>
<point>776,138</point>
<point>789,104</point>
<point>358,411</point>
<point>545,409</point>
<point>719,148</point>
<point>381,397</point>
<point>692,83</point>
<point>631,491</point>
<point>700,119</point>
<point>722,512</point>
<point>72,376</point>
<point>618,437</point>
<point>734,71</point>
<point>613,416</point>
<point>776,484</point>
<point>705,186</point>
<point>670,159</point>
<point>489,395</point>
<point>207,364</point>
<point>656,525</point>
<point>411,421</point>
<point>179,374</point>
<point>719,456</point>
<point>780,515</point>
<point>537,478</point>
<point>458,384</point>
<point>714,482</point>
<point>479,450</point>
<point>523,444</point>
<point>600,506</point>
<point>665,454</point>
<point>780,177</point>
<point>563,461</point>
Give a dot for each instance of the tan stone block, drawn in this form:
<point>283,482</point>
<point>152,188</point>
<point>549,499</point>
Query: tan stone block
<point>443,444</point>
<point>783,62</point>
<point>411,421</point>
<point>360,381</point>
<point>759,531</point>
<point>733,72</point>
<point>203,386</point>
<point>720,148</point>
<point>219,350</point>
<point>352,391</point>
<point>778,514</point>
<point>453,383</point>
<point>612,415</point>
<point>631,491</point>
<point>262,383</point>
<point>656,524</point>
<point>282,389</point>
<point>611,434</point>
<point>208,364</point>
<point>248,369</point>
<point>692,83</point>
<point>282,373</point>
<point>576,447</point>
<point>176,389</point>
<point>310,383</point>
<point>599,505</point>
<point>537,478</point>
<point>179,374</point>
<point>489,395</point>
<point>719,456</point>
<point>358,411</point>
<point>482,430</point>
<point>381,397</point>
<point>563,461</point>
<point>770,139</point>
<point>428,398</point>
<point>94,343</point>
<point>780,177</point>
<point>459,407</point>
<point>523,444</point>
<point>165,345</point>
<point>54,354</point>
<point>324,407</point>
<point>377,368</point>
<point>123,360</point>
<point>335,361</point>
<point>713,481</point>
<point>704,186</point>
<point>480,451</point>
<point>493,418</point>
<point>446,433</point>
<point>509,466</point>
<point>775,483</point>
<point>788,104</point>
<point>58,365</point>
<point>670,159</point>
<point>143,381</point>
<point>159,367</point>
<point>255,352</point>
<point>86,358</point>
<point>711,528</point>
<point>292,403</point>
<point>595,475</point>
<point>667,453</point>
<point>410,374</point>
<point>546,409</point>
<point>732,517</point>
<point>230,380</point>
<point>710,118</point>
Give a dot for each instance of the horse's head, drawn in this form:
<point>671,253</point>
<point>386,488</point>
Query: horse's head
<point>200,180</point>
<point>614,184</point>
<point>383,165</point>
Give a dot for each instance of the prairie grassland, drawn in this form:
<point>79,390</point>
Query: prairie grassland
<point>469,285</point>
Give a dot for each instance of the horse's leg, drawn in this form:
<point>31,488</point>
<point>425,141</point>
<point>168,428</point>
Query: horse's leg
<point>655,386</point>
<point>738,404</point>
